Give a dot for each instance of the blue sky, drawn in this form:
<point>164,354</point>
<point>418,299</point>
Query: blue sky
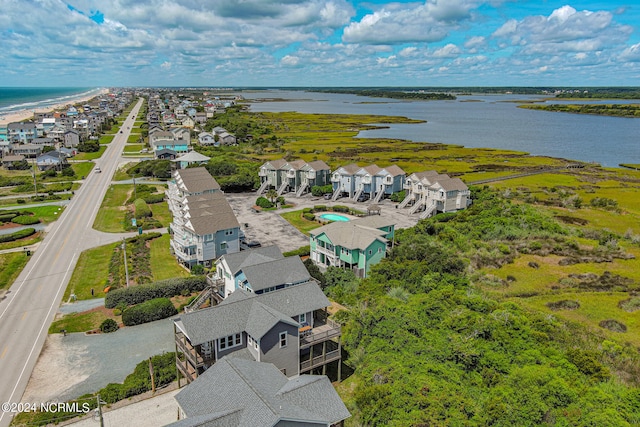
<point>320,43</point>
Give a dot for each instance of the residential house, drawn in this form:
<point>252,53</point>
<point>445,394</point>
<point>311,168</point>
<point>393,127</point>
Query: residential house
<point>57,132</point>
<point>316,173</point>
<point>201,117</point>
<point>272,174</point>
<point>388,180</point>
<point>71,138</point>
<point>355,245</point>
<point>343,180</point>
<point>188,122</point>
<point>21,132</point>
<point>9,162</point>
<point>27,150</point>
<point>44,142</point>
<point>258,270</point>
<point>204,226</point>
<point>165,139</point>
<point>206,138</point>
<point>181,134</point>
<point>52,160</point>
<point>226,138</point>
<point>246,393</point>
<point>364,180</point>
<point>191,158</point>
<point>165,154</point>
<point>288,327</point>
<point>431,192</point>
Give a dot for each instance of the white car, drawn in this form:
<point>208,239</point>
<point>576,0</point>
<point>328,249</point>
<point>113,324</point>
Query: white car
<point>98,170</point>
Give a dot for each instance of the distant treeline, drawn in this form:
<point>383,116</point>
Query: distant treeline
<point>394,93</point>
<point>618,110</point>
<point>605,93</point>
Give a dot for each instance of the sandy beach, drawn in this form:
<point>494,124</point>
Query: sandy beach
<point>21,115</point>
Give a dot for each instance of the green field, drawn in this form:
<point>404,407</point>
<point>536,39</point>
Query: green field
<point>91,156</point>
<point>110,217</point>
<point>303,225</point>
<point>163,264</point>
<point>11,264</point>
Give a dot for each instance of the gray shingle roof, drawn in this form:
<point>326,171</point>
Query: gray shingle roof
<point>209,213</point>
<point>252,313</point>
<point>195,180</point>
<point>256,394</point>
<point>276,272</point>
<point>452,184</point>
<point>242,259</point>
<point>394,170</point>
<point>350,234</point>
<point>318,165</point>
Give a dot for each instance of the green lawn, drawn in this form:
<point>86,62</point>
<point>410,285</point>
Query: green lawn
<point>46,214</point>
<point>304,225</point>
<point>106,139</point>
<point>163,264</point>
<point>11,265</point>
<point>78,322</point>
<point>133,148</point>
<point>82,169</point>
<point>161,212</point>
<point>91,156</point>
<point>110,216</point>
<point>35,238</point>
<point>90,273</point>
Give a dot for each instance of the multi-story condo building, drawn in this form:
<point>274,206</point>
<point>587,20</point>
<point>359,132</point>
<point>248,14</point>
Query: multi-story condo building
<point>204,226</point>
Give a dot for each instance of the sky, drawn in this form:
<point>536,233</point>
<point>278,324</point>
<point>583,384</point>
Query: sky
<point>224,43</point>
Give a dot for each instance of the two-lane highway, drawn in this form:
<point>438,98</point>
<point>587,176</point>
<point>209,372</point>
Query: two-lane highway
<point>31,304</point>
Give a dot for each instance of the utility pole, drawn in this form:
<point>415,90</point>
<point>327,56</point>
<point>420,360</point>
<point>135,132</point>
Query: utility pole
<point>100,411</point>
<point>126,269</point>
<point>35,184</point>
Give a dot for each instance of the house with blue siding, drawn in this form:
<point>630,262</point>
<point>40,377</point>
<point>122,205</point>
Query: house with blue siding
<point>203,226</point>
<point>344,182</point>
<point>354,245</point>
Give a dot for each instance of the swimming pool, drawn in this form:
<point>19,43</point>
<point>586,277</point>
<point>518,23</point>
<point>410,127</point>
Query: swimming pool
<point>334,217</point>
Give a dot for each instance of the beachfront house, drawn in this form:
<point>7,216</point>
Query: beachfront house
<point>206,138</point>
<point>354,245</point>
<point>21,132</point>
<point>288,327</point>
<point>429,192</point>
<point>258,270</point>
<point>203,226</point>
<point>239,392</point>
<point>52,160</point>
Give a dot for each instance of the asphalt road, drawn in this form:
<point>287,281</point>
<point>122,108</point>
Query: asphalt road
<point>32,301</point>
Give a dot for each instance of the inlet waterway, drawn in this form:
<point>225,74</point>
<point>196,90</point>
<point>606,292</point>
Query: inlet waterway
<point>480,121</point>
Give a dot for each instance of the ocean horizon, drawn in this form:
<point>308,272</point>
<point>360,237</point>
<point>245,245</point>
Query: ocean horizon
<point>13,99</point>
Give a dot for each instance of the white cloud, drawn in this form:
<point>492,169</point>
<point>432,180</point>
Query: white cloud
<point>448,51</point>
<point>290,61</point>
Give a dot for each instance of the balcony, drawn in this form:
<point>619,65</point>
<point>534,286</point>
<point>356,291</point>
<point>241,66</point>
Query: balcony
<point>190,353</point>
<point>366,179</point>
<point>291,174</point>
<point>307,365</point>
<point>311,175</point>
<point>263,172</point>
<point>326,251</point>
<point>335,178</point>
<point>321,332</point>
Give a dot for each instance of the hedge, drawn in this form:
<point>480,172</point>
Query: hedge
<point>6,217</point>
<point>340,208</point>
<point>25,220</point>
<point>303,251</point>
<point>148,311</point>
<point>142,210</point>
<point>154,198</point>
<point>164,288</point>
<point>17,235</point>
<point>309,216</point>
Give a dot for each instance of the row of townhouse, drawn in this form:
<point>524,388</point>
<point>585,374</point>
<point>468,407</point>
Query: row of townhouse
<point>203,226</point>
<point>271,316</point>
<point>427,192</point>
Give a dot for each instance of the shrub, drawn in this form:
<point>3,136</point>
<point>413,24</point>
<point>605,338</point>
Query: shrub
<point>154,198</point>
<point>303,251</point>
<point>319,208</point>
<point>630,304</point>
<point>21,201</point>
<point>142,209</point>
<point>25,220</point>
<point>148,311</point>
<point>564,305</point>
<point>263,202</point>
<point>398,196</point>
<point>613,325</point>
<point>319,190</point>
<point>197,269</point>
<point>307,210</point>
<point>340,208</point>
<point>6,217</point>
<point>309,216</point>
<point>17,235</point>
<point>108,325</point>
<point>164,288</point>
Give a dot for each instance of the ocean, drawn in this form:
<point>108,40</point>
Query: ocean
<point>14,99</point>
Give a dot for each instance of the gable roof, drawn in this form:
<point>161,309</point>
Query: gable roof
<point>451,184</point>
<point>318,165</point>
<point>282,271</point>
<point>209,213</point>
<point>275,164</point>
<point>254,314</point>
<point>239,260</point>
<point>254,394</point>
<point>195,180</point>
<point>192,156</point>
<point>394,170</point>
<point>350,235</point>
<point>349,169</point>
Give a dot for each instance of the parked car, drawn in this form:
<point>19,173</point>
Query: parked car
<point>363,197</point>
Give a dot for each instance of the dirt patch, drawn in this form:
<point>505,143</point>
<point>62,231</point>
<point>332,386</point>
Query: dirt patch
<point>613,325</point>
<point>8,225</point>
<point>564,305</point>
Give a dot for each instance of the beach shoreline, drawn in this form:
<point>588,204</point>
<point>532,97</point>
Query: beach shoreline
<point>26,114</point>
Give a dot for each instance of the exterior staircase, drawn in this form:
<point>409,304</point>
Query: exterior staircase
<point>358,193</point>
<point>379,196</point>
<point>263,187</point>
<point>282,188</point>
<point>301,189</point>
<point>419,204</point>
<point>428,211</point>
<point>336,194</point>
<point>208,294</point>
<point>405,201</point>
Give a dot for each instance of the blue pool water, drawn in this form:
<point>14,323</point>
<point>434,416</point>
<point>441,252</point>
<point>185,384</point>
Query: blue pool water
<point>334,217</point>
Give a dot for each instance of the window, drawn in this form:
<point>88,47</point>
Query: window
<point>230,341</point>
<point>379,250</point>
<point>302,318</point>
<point>228,232</point>
<point>370,251</point>
<point>283,339</point>
<point>223,245</point>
